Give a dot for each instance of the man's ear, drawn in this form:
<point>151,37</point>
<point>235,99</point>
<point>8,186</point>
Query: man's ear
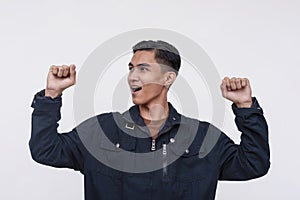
<point>169,77</point>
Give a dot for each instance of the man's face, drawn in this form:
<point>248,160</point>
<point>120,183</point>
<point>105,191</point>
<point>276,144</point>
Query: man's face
<point>145,79</point>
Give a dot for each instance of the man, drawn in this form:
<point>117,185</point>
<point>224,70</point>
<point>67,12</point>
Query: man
<point>187,156</point>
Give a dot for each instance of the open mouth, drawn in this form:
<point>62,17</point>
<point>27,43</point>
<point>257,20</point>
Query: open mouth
<point>135,89</point>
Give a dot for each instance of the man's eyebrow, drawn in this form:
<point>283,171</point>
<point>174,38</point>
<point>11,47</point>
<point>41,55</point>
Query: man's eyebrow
<point>140,65</point>
<point>144,65</point>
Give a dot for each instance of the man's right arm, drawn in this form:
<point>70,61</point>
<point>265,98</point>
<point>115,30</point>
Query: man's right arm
<point>46,144</point>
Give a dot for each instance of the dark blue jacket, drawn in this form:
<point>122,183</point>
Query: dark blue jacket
<point>120,161</point>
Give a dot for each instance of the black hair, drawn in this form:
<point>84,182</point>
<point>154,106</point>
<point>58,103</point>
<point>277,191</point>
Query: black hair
<point>165,53</point>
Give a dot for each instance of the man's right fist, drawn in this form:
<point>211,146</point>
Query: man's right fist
<point>59,78</point>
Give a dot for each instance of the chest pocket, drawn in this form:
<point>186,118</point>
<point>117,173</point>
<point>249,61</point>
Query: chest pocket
<point>188,167</point>
<point>105,167</point>
<point>115,157</point>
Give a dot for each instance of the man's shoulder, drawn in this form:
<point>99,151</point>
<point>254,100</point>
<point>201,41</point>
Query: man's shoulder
<point>106,116</point>
<point>100,118</point>
<point>205,128</point>
<point>190,120</point>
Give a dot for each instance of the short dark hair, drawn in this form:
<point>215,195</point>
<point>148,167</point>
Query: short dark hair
<point>165,53</point>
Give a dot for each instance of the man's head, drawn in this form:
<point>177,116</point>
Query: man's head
<point>165,54</point>
<point>152,70</point>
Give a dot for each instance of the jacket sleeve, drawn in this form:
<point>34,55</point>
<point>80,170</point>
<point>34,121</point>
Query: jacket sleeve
<point>251,158</point>
<point>47,146</point>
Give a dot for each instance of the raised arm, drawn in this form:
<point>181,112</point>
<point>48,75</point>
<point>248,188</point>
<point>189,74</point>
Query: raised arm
<point>249,159</point>
<point>47,146</point>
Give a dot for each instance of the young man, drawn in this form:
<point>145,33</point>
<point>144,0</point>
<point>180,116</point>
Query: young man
<point>187,156</point>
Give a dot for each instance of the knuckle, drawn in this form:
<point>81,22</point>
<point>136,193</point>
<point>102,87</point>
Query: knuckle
<point>53,67</point>
<point>65,70</point>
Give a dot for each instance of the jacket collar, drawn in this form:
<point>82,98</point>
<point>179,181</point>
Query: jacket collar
<point>133,116</point>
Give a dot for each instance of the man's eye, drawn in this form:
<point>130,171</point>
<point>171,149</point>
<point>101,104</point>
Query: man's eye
<point>130,68</point>
<point>143,68</point>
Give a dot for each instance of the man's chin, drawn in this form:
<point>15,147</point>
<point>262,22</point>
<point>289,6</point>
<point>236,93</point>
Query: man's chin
<point>137,102</point>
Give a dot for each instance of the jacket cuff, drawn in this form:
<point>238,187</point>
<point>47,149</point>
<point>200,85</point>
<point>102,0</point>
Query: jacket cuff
<point>42,103</point>
<point>244,112</point>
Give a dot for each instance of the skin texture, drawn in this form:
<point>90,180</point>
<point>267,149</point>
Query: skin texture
<point>145,72</point>
<point>238,91</point>
<point>152,98</point>
<point>60,78</point>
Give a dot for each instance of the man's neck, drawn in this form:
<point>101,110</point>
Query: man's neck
<point>155,111</point>
<point>154,116</point>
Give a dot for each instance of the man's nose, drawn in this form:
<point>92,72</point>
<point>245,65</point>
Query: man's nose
<point>133,75</point>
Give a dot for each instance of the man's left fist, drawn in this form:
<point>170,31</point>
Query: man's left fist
<point>238,91</point>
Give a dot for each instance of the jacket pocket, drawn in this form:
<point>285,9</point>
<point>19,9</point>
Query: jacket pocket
<point>107,183</point>
<point>187,167</point>
<point>116,155</point>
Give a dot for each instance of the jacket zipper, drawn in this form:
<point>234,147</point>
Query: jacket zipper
<point>153,145</point>
<point>165,163</point>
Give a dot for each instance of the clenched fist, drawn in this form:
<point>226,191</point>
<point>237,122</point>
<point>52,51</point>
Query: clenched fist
<point>59,78</point>
<point>238,91</point>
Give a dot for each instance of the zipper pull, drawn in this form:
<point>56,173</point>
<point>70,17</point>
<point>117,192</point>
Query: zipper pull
<point>164,151</point>
<point>165,163</point>
<point>153,145</point>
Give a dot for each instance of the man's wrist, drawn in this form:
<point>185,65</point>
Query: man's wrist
<point>52,93</point>
<point>246,104</point>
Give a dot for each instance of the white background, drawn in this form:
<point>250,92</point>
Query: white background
<point>258,39</point>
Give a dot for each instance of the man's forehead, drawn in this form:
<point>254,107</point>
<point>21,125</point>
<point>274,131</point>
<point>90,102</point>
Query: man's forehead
<point>143,56</point>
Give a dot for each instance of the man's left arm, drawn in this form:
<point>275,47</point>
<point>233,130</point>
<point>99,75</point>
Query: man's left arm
<point>250,159</point>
